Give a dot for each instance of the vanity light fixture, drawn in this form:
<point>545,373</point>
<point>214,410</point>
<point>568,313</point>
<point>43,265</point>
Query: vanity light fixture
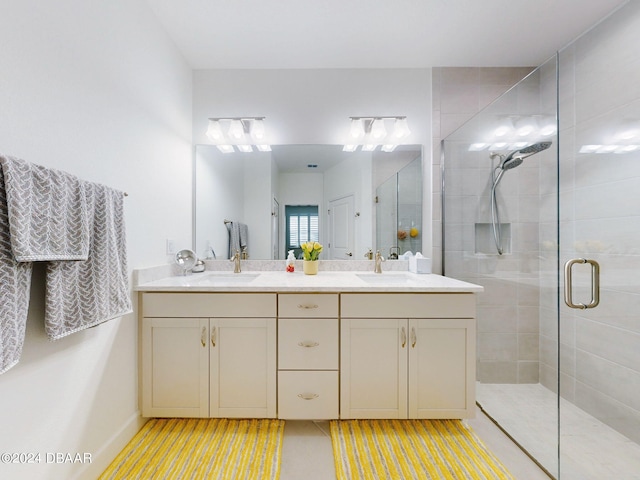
<point>370,132</point>
<point>401,128</point>
<point>357,128</point>
<point>236,129</point>
<point>378,132</point>
<point>241,132</point>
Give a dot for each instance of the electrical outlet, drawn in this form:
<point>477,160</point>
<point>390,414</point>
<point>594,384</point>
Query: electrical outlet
<point>171,247</point>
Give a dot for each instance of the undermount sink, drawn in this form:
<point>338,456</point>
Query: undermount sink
<point>224,278</point>
<point>378,278</point>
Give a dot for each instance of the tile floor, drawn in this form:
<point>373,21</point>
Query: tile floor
<point>590,450</point>
<point>306,452</point>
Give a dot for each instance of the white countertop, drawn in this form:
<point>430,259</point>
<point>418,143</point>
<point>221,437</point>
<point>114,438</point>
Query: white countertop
<point>324,281</point>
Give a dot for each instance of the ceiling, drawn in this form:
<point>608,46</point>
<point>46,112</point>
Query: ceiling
<point>284,34</point>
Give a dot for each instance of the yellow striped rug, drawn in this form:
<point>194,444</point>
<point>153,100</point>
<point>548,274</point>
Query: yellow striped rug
<point>199,448</point>
<point>411,449</point>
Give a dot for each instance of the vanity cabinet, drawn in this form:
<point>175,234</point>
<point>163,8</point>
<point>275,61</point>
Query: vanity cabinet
<point>208,355</point>
<point>308,356</point>
<point>407,355</point>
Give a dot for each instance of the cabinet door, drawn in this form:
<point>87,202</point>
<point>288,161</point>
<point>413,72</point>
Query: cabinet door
<point>175,367</point>
<point>441,368</point>
<point>243,367</point>
<point>373,368</point>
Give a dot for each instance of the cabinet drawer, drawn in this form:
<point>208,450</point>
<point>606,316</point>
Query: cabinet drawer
<point>308,344</point>
<point>408,305</point>
<point>308,305</point>
<point>308,395</point>
<point>208,305</point>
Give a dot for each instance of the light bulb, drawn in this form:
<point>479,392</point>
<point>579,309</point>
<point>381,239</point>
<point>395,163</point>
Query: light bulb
<point>214,132</point>
<point>257,129</point>
<point>357,128</point>
<point>377,129</point>
<point>236,129</point>
<point>401,128</point>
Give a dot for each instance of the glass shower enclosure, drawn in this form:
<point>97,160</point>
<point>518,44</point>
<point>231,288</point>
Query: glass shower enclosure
<point>541,206</point>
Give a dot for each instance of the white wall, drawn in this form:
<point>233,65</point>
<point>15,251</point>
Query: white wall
<point>353,177</point>
<point>314,106</point>
<point>98,90</point>
<point>257,210</point>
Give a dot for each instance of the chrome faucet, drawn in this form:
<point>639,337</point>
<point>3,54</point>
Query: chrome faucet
<point>378,265</point>
<point>236,260</point>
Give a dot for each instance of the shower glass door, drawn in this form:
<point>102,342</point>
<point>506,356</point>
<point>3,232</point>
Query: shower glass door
<point>599,111</point>
<point>558,323</point>
<point>500,174</point>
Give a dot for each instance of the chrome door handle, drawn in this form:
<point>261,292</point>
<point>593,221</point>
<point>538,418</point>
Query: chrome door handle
<point>595,284</point>
<point>349,254</point>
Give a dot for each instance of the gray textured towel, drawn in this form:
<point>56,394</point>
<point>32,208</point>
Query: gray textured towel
<point>83,294</point>
<point>77,226</point>
<point>244,237</point>
<point>234,237</point>
<point>15,282</point>
<point>47,212</point>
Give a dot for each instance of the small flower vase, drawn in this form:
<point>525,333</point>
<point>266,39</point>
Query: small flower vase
<point>310,267</point>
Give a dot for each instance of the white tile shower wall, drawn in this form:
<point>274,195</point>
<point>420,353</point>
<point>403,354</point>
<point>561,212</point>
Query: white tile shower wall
<point>458,93</point>
<point>600,348</point>
<point>508,324</point>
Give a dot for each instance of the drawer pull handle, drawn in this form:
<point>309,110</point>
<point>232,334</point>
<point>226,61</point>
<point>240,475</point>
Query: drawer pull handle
<point>414,339</point>
<point>203,337</point>
<point>213,337</point>
<point>307,307</point>
<point>308,344</point>
<point>403,337</point>
<point>308,396</point>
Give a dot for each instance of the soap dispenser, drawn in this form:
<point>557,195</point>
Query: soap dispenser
<point>291,259</point>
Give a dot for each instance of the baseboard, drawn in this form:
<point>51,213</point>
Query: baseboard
<point>102,458</point>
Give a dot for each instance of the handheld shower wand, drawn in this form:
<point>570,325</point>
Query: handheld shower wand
<point>512,160</point>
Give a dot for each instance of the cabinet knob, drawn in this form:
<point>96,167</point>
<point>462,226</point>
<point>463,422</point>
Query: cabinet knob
<point>308,344</point>
<point>307,307</point>
<point>308,396</point>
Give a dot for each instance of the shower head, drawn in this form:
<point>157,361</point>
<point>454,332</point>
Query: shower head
<point>516,157</point>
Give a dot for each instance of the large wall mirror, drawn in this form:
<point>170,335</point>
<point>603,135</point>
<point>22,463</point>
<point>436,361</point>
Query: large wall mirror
<point>349,202</point>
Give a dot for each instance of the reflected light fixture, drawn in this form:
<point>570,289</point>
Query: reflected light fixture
<point>242,133</point>
<point>371,132</point>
